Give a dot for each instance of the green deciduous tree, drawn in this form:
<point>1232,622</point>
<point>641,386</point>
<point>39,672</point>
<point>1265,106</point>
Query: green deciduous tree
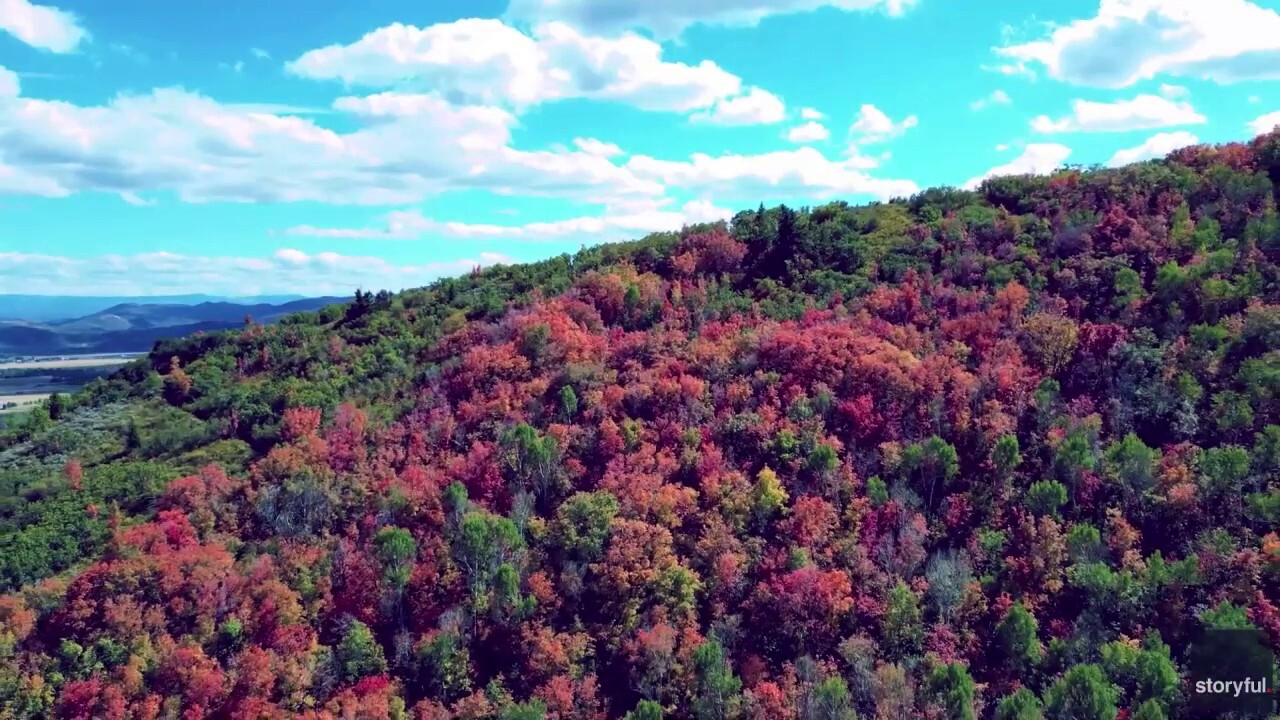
<point>1018,636</point>
<point>717,691</point>
<point>1045,497</point>
<point>359,655</point>
<point>1020,705</point>
<point>1006,456</point>
<point>901,624</point>
<point>485,542</point>
<point>396,550</point>
<point>646,710</point>
<point>1149,710</point>
<point>1082,693</point>
<point>829,700</point>
<point>931,463</point>
<point>531,460</point>
<point>1131,464</point>
<point>952,687</point>
<point>581,525</point>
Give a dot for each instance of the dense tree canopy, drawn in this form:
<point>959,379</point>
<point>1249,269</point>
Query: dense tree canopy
<point>991,454</point>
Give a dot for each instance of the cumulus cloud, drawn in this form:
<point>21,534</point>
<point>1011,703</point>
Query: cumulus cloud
<point>622,222</point>
<point>599,148</point>
<point>787,173</point>
<point>811,114</point>
<point>1144,112</point>
<point>666,19</point>
<point>808,132</point>
<point>1156,146</point>
<point>485,61</point>
<point>394,148</point>
<point>872,125</point>
<point>1128,41</point>
<point>41,26</point>
<point>10,85</point>
<point>161,273</point>
<point>1036,159</point>
<point>480,59</point>
<point>757,107</point>
<point>999,97</point>
<point>1265,123</point>
<point>405,147</point>
<point>401,145</point>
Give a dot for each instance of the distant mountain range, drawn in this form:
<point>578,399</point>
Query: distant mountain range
<point>47,308</point>
<point>134,325</point>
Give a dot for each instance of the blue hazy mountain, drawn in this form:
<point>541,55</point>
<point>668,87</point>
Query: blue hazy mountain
<point>135,326</point>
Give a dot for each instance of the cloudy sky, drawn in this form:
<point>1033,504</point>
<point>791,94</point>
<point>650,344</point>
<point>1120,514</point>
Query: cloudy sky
<point>241,147</point>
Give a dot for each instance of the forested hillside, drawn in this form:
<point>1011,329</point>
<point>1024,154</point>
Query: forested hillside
<point>1001,454</point>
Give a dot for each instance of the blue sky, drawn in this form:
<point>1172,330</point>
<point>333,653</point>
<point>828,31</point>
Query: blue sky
<point>151,147</point>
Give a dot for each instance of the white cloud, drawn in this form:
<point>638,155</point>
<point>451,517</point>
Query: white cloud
<point>808,132</point>
<point>161,273</point>
<point>666,19</point>
<point>1036,159</point>
<point>1265,123</point>
<point>598,148</point>
<point>260,54</point>
<point>811,114</point>
<point>10,85</point>
<point>873,126</point>
<point>1011,70</point>
<point>1001,147</point>
<point>757,107</point>
<point>787,173</point>
<point>278,109</point>
<point>623,222</point>
<point>1254,99</point>
<point>1144,112</point>
<point>41,26</point>
<point>999,97</point>
<point>1174,92</point>
<point>397,148</point>
<point>481,59</point>
<point>1156,146</point>
<point>1132,40</point>
<point>488,62</point>
<point>135,200</point>
<point>408,147</point>
<point>130,52</point>
<point>19,181</point>
<point>630,69</point>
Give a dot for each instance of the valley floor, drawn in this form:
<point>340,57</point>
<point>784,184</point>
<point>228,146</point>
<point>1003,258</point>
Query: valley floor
<point>67,361</point>
<point>19,403</point>
<point>25,383</point>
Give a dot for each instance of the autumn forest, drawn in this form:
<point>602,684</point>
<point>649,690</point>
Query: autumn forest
<point>993,454</point>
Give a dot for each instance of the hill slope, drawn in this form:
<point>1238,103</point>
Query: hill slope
<point>993,454</point>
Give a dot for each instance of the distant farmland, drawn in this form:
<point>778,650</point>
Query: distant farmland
<point>64,363</point>
<point>23,384</point>
<point>18,403</point>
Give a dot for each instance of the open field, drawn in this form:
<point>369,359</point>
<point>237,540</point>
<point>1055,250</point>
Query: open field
<point>24,384</point>
<point>24,402</point>
<point>65,363</point>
